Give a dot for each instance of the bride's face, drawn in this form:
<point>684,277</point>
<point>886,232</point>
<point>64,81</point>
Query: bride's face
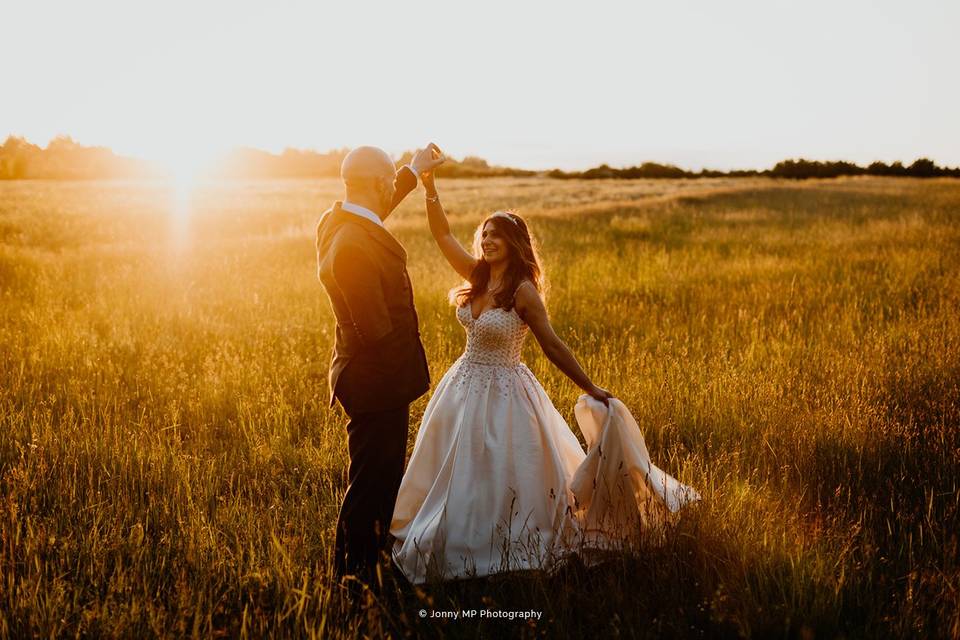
<point>493,244</point>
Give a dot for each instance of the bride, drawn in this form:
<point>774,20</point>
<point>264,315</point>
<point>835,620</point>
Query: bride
<point>497,480</point>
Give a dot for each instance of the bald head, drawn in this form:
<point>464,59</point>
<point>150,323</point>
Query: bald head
<point>365,163</point>
<point>367,174</point>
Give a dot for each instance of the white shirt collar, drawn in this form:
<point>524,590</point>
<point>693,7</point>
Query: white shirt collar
<point>363,212</point>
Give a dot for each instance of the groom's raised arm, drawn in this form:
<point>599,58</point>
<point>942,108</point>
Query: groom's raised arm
<point>404,182</point>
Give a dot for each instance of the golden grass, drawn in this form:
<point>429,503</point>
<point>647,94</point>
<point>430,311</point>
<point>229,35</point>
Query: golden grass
<point>792,350</point>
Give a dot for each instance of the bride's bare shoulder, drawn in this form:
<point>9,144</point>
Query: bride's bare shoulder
<point>527,296</point>
<point>526,287</point>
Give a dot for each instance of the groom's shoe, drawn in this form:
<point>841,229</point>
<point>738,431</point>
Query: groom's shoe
<point>570,570</point>
<point>387,587</point>
<point>394,577</point>
<point>351,595</point>
<point>391,585</point>
<point>351,587</point>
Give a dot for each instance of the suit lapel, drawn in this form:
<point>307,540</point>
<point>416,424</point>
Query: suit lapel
<point>380,234</point>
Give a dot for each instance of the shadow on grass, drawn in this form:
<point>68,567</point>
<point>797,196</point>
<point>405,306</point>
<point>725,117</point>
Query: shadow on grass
<point>693,583</point>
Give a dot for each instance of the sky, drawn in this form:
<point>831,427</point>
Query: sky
<point>737,84</point>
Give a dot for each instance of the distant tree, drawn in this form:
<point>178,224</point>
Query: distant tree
<point>603,171</point>
<point>63,144</point>
<point>474,161</point>
<point>923,168</point>
<point>801,169</point>
<point>16,157</point>
<point>897,169</point>
<point>475,167</point>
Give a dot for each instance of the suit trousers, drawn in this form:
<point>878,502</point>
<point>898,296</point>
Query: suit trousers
<point>377,442</point>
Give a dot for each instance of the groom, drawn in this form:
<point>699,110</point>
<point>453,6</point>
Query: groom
<point>379,365</point>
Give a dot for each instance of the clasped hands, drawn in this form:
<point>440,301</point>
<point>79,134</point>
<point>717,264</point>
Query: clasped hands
<point>426,160</point>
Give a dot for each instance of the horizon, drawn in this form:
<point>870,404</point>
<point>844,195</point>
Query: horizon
<point>693,85</point>
<point>215,162</point>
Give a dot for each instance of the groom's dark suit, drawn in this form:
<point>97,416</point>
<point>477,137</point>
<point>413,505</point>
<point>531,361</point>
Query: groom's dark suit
<point>378,368</point>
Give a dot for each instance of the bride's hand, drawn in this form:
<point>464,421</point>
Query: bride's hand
<point>601,394</point>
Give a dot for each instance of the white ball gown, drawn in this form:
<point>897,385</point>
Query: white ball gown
<point>497,480</point>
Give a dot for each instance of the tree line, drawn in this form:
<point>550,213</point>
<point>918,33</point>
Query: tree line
<point>64,158</point>
<point>793,169</point>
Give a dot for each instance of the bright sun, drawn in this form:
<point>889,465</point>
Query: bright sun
<point>185,165</point>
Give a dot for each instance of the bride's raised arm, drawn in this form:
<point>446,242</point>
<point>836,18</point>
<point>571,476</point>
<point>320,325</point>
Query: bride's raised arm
<point>531,309</point>
<point>461,261</point>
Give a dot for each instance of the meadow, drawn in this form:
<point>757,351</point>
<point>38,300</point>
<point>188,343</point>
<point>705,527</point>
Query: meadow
<point>169,466</point>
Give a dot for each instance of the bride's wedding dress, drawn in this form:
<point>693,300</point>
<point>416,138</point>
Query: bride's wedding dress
<point>498,481</point>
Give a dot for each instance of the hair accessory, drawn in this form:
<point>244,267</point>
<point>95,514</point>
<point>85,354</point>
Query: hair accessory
<point>504,214</point>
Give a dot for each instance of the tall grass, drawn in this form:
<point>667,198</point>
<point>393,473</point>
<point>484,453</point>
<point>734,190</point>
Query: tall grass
<point>169,467</point>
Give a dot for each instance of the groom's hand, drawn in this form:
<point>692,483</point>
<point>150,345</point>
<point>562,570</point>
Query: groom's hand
<point>426,160</point>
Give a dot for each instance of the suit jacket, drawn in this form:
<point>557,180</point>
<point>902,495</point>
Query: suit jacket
<point>378,358</point>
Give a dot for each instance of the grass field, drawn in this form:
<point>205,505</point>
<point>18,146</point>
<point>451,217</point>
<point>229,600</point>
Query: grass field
<point>169,467</point>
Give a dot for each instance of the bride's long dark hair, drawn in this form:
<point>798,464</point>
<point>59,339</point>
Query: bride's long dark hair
<point>523,262</point>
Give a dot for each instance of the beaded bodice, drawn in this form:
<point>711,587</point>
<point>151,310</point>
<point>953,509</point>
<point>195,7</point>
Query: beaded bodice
<point>495,338</point>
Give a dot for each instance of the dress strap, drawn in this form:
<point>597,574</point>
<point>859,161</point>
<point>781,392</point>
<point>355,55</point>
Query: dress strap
<point>513,301</point>
<point>522,282</point>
